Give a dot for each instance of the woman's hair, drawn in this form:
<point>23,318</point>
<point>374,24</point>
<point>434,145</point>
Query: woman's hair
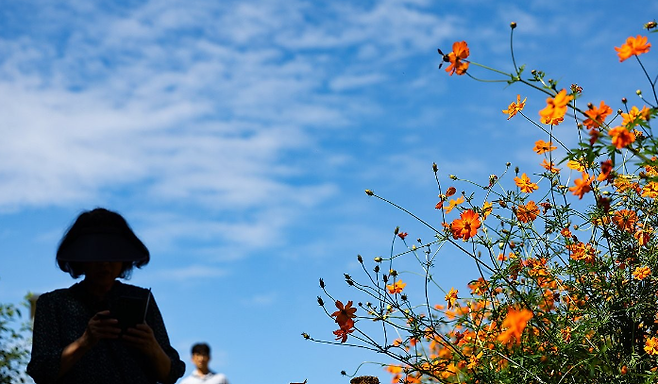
<point>100,219</point>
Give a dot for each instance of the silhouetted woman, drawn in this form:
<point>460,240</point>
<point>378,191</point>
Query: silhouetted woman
<point>78,337</point>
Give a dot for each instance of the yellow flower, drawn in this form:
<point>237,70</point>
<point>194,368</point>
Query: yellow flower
<point>556,108</point>
<point>515,108</point>
<point>651,346</point>
<point>396,287</point>
<point>451,297</point>
<point>641,273</point>
<point>525,184</point>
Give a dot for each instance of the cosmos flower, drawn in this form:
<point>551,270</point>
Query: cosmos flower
<point>515,107</point>
<point>515,322</point>
<point>596,115</point>
<point>466,226</point>
<point>459,52</point>
<point>621,137</point>
<point>525,184</point>
<point>542,147</point>
<point>396,287</point>
<point>633,46</point>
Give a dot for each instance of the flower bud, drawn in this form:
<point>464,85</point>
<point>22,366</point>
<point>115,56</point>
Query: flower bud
<point>321,283</point>
<point>305,335</point>
<point>624,100</point>
<point>359,258</point>
<point>435,167</point>
<point>320,301</point>
<point>512,25</point>
<point>638,92</point>
<point>378,259</point>
<point>369,192</point>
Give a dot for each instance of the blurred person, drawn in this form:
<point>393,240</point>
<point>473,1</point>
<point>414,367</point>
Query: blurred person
<point>78,337</point>
<point>202,374</point>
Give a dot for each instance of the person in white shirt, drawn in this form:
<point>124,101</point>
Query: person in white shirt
<point>202,374</point>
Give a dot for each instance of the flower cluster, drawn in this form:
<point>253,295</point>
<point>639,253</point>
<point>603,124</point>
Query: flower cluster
<point>567,290</point>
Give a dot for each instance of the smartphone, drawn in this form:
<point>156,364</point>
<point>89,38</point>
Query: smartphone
<point>131,310</point>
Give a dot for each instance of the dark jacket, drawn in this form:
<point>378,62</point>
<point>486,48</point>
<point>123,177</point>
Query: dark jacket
<point>61,318</point>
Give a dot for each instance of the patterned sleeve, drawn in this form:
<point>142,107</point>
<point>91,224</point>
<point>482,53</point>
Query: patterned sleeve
<point>155,321</point>
<point>46,347</point>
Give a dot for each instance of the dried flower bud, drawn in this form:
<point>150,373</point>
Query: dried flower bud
<point>359,258</point>
<point>376,269</point>
<point>394,272</point>
<point>321,283</point>
<point>435,167</point>
<point>320,301</point>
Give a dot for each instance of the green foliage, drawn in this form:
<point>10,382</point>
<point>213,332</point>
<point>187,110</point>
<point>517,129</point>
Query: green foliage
<point>14,352</point>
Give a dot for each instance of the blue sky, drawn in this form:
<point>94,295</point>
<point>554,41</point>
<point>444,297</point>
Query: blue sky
<point>237,138</point>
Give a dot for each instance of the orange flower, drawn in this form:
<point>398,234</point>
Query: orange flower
<point>625,219</point>
<point>528,212</point>
<point>582,185</point>
<point>633,46</point>
<point>396,287</point>
<point>596,115</point>
<point>344,314</point>
<point>451,297</point>
<point>621,137</point>
<point>606,169</point>
<point>453,203</point>
<point>643,236</point>
<point>459,52</point>
<point>550,166</point>
<point>466,226</point>
<point>650,190</point>
<point>641,273</point>
<point>651,346</point>
<point>635,114</point>
<point>344,330</point>
<point>525,184</point>
<point>556,108</point>
<point>582,251</point>
<point>542,147</point>
<point>515,108</point>
<point>515,322</point>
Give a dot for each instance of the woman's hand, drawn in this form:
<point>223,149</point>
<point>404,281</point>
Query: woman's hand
<point>141,337</point>
<point>101,326</point>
